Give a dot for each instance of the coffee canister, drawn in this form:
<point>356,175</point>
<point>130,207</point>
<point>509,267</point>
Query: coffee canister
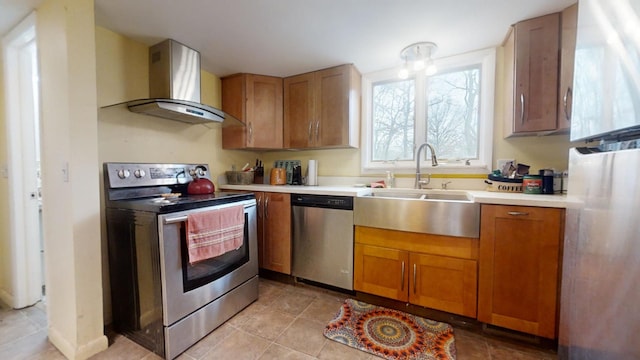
<point>532,184</point>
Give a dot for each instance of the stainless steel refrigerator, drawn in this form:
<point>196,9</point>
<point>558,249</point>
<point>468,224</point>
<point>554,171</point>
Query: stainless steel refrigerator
<point>600,292</point>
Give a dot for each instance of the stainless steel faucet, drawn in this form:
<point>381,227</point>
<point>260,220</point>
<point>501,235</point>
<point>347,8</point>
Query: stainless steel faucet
<point>434,162</point>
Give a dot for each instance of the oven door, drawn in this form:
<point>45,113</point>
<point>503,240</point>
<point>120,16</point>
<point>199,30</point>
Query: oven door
<point>185,287</point>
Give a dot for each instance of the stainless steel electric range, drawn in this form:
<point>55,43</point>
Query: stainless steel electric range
<point>159,299</point>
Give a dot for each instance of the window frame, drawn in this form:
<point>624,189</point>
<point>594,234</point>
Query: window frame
<point>486,58</point>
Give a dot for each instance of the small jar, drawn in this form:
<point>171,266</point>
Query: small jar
<point>390,182</point>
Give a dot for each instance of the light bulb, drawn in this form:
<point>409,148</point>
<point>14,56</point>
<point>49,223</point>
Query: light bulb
<point>431,68</point>
<point>403,73</point>
<point>418,65</point>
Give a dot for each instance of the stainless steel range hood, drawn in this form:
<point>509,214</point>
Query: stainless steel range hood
<point>174,87</point>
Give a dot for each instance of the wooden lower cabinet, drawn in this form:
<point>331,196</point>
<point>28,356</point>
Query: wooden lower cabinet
<point>274,231</point>
<point>520,263</point>
<point>437,272</point>
<point>444,283</point>
<point>381,271</point>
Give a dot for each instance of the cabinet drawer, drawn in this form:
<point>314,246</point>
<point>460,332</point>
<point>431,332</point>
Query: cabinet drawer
<point>458,247</point>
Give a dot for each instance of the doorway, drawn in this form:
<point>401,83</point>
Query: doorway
<point>23,163</point>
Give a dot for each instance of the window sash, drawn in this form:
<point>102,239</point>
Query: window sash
<point>486,60</point>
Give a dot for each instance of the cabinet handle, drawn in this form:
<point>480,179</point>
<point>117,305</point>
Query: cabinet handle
<point>310,127</point>
<point>402,278</point>
<point>250,133</point>
<point>317,131</point>
<point>266,207</point>
<point>522,108</point>
<point>518,213</point>
<point>259,201</point>
<point>567,94</point>
<point>415,271</point>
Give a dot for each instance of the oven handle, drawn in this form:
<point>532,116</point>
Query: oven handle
<point>178,219</point>
<point>184,218</point>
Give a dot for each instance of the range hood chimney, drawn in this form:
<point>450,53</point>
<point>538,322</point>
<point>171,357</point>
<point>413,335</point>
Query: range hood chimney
<point>174,87</point>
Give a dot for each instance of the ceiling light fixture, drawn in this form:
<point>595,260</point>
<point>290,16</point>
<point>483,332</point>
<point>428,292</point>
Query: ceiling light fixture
<point>419,56</point>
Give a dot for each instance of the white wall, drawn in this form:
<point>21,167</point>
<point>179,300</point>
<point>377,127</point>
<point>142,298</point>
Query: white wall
<point>71,207</point>
<point>5,259</point>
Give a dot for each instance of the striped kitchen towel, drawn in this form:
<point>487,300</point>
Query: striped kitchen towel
<point>215,232</point>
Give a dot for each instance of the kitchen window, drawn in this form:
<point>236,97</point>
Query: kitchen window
<point>451,110</point>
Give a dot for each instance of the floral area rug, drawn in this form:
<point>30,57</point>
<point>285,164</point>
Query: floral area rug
<point>390,334</point>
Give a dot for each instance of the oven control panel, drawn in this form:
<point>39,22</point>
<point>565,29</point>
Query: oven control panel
<point>123,175</point>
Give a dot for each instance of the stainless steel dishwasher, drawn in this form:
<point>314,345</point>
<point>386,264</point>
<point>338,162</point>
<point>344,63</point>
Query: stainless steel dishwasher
<point>323,239</point>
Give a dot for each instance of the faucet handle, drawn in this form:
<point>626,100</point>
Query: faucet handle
<point>444,184</point>
<point>420,182</point>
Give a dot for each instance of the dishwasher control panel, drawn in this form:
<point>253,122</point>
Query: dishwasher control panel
<point>322,201</point>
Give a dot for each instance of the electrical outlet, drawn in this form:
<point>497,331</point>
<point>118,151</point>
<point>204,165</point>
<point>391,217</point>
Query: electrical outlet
<point>5,171</point>
<point>502,162</point>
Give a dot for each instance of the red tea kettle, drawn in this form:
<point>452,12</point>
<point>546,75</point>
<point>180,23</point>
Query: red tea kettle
<point>200,185</point>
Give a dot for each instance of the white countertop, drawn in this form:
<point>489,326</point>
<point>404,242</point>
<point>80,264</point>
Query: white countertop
<point>482,197</point>
<point>299,189</point>
<point>501,198</point>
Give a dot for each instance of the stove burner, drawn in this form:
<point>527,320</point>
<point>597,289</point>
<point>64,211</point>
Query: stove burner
<point>159,189</point>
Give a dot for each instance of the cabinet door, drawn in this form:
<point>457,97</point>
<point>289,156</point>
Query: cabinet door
<point>256,101</point>
<point>444,283</point>
<point>381,271</point>
<point>277,232</point>
<point>260,230</point>
<point>536,74</point>
<point>519,268</point>
<point>299,111</point>
<point>567,56</point>
<point>508,82</point>
<point>337,106</point>
<point>233,103</point>
<point>264,112</point>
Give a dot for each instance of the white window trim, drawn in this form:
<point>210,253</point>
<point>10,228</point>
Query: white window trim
<point>487,58</point>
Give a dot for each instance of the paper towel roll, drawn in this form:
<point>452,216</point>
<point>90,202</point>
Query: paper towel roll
<point>312,173</point>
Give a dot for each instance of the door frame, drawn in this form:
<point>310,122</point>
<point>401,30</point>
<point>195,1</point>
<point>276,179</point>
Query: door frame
<point>22,109</point>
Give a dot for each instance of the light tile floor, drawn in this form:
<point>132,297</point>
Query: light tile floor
<point>285,323</point>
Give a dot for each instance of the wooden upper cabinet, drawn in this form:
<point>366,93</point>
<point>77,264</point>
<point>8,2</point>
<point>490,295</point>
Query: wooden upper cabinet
<point>256,100</point>
<point>569,21</point>
<point>519,265</point>
<point>299,113</point>
<point>322,108</point>
<point>338,106</point>
<point>537,44</point>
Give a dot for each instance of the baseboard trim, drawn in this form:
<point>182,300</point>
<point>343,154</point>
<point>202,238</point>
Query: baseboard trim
<point>6,298</point>
<point>73,352</point>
